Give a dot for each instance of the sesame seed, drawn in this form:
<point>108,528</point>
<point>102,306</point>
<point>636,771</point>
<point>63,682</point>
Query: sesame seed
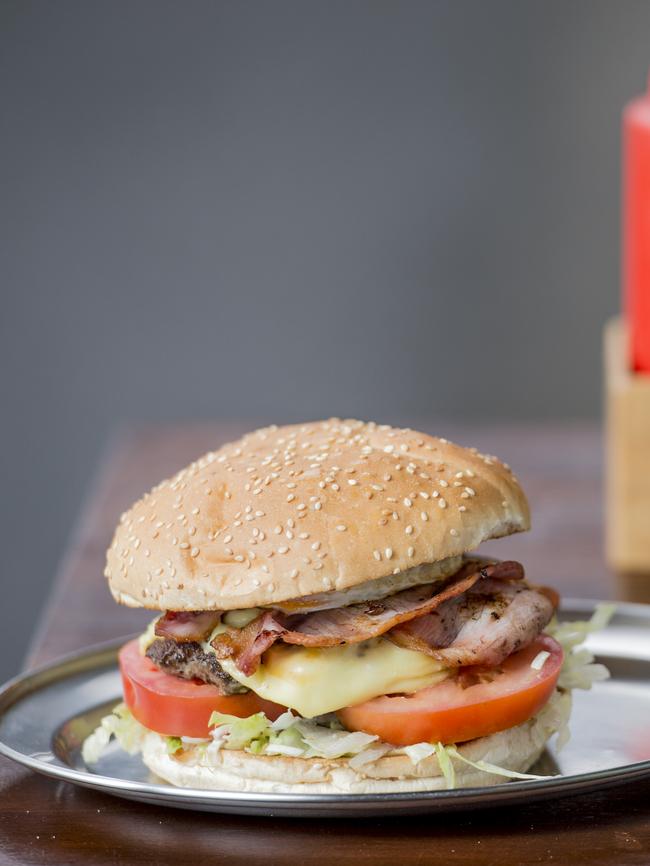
<point>301,506</point>
<point>290,497</point>
<point>194,551</point>
<point>183,545</point>
<point>424,494</point>
<point>317,565</point>
<point>227,539</point>
<point>239,558</point>
<point>318,506</point>
<point>408,502</point>
<point>377,555</point>
<point>470,491</point>
<point>277,530</point>
<point>442,503</point>
<point>315,545</point>
<point>453,532</point>
<point>341,527</point>
<point>409,530</point>
<point>424,516</point>
<point>352,482</point>
<point>462,508</point>
<point>436,494</point>
<point>389,552</point>
<point>410,551</point>
<point>283,549</point>
<point>443,483</point>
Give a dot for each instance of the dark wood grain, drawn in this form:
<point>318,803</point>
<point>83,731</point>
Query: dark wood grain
<point>44,821</point>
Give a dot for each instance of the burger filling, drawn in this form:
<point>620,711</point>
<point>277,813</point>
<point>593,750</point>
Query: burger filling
<point>423,667</point>
<point>325,660</point>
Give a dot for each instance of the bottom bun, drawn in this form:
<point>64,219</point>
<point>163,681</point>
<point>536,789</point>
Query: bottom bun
<point>516,749</point>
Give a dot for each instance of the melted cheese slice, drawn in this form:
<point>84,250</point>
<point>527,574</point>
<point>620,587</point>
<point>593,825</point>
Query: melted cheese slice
<point>317,681</point>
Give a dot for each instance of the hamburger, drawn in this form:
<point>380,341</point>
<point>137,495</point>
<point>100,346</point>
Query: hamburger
<point>325,625</point>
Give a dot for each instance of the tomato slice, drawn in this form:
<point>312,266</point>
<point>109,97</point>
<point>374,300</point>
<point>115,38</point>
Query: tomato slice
<point>177,707</point>
<point>453,712</point>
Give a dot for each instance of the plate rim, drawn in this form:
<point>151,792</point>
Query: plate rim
<point>103,653</point>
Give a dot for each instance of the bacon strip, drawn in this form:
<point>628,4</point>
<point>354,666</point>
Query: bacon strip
<point>246,645</point>
<point>352,624</point>
<point>370,619</point>
<point>187,625</point>
<point>486,625</point>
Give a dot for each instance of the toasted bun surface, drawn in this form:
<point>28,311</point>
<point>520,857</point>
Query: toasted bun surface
<point>515,749</point>
<point>291,511</point>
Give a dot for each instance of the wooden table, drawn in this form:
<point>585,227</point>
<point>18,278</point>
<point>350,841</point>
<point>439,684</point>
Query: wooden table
<point>42,821</point>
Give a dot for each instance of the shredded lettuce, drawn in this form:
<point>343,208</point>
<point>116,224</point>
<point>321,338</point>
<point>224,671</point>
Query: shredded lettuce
<point>540,660</point>
<point>446,765</point>
<point>174,744</point>
<point>284,721</point>
<point>253,732</point>
<point>485,766</point>
<point>570,634</point>
<point>279,749</point>
<point>579,670</point>
<point>326,743</point>
<point>119,724</point>
<point>366,756</point>
<point>418,752</point>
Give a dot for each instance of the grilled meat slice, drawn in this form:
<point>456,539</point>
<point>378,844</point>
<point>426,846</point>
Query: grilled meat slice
<point>189,661</point>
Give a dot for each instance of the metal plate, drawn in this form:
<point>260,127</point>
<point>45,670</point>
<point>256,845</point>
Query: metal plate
<point>46,714</point>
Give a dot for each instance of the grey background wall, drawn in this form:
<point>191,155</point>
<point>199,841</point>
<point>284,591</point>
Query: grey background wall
<point>281,210</point>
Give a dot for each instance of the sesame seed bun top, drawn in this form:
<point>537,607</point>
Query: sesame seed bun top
<point>291,511</point>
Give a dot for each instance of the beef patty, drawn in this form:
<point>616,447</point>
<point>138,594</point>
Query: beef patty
<point>189,661</point>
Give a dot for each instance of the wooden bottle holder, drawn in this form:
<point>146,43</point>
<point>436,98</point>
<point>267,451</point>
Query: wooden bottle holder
<point>627,467</point>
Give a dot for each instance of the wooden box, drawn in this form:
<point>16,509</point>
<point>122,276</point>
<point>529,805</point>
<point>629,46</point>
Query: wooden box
<point>627,505</point>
